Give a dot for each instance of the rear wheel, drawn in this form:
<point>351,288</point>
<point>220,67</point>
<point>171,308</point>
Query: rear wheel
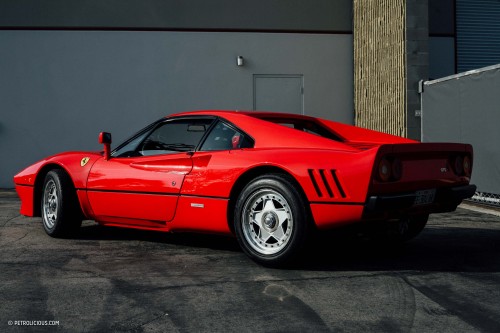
<point>61,213</point>
<point>408,227</point>
<point>271,221</point>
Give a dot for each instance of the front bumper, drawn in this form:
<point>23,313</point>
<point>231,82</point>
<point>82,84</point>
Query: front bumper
<point>445,200</point>
<point>26,194</point>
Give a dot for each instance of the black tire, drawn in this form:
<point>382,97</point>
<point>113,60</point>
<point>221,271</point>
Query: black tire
<point>61,213</point>
<point>408,228</point>
<point>280,215</point>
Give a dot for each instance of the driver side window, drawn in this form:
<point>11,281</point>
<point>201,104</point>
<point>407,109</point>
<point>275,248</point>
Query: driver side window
<point>174,136</point>
<point>180,135</point>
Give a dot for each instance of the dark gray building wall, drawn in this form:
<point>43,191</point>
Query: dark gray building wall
<point>464,35</point>
<point>441,57</point>
<point>478,34</point>
<point>58,89</point>
<point>254,15</point>
<point>417,61</point>
<point>442,17</point>
<point>442,46</point>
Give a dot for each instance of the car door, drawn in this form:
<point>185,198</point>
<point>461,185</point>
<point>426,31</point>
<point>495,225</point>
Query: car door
<point>213,161</point>
<point>140,184</point>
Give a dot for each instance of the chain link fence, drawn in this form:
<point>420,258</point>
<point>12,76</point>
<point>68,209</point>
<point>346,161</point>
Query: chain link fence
<point>486,199</point>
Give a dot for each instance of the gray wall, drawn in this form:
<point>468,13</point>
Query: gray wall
<point>464,108</point>
<point>58,89</point>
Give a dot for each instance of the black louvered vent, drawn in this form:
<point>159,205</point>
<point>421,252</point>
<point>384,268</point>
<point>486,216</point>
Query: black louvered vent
<point>320,180</point>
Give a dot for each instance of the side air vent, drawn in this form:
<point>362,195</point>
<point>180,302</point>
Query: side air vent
<point>315,184</point>
<point>327,186</point>
<point>326,181</point>
<point>337,182</point>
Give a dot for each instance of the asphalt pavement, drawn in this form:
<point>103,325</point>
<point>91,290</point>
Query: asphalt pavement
<point>119,280</point>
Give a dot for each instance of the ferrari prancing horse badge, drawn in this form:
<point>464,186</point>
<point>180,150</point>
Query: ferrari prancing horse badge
<point>84,161</point>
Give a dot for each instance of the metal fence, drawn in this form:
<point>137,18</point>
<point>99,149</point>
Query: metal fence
<point>486,199</point>
<point>465,108</point>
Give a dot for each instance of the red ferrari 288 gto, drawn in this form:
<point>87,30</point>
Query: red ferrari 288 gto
<point>267,178</point>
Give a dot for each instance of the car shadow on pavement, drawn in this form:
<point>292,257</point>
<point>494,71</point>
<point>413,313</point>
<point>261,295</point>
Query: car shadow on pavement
<point>443,249</point>
<point>93,231</point>
<point>437,248</point>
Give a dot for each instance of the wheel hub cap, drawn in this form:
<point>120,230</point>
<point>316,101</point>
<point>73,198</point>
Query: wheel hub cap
<point>270,221</point>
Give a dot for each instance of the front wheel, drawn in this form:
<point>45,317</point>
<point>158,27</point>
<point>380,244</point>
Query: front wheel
<point>61,214</point>
<point>271,220</point>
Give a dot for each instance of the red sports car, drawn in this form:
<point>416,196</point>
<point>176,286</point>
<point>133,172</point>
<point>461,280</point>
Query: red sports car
<point>268,178</point>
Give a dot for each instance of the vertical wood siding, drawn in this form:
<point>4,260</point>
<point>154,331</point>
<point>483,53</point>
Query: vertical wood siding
<point>379,65</point>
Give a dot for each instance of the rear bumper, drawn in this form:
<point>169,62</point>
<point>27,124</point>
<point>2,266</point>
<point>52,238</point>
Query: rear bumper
<point>445,200</point>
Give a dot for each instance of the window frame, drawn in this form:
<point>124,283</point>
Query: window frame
<point>231,126</point>
<point>151,127</point>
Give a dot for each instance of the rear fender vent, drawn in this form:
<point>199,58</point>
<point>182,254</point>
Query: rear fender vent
<point>326,183</point>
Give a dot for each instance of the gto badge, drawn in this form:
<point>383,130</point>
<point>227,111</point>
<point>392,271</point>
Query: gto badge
<point>84,161</point>
<point>443,170</point>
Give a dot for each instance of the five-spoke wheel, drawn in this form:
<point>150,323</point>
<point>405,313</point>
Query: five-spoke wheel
<point>61,214</point>
<point>271,221</point>
<point>268,222</point>
<point>50,204</point>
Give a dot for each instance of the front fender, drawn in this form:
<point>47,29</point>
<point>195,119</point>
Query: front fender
<point>76,164</point>
<point>29,181</point>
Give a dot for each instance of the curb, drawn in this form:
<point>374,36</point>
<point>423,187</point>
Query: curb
<point>480,209</point>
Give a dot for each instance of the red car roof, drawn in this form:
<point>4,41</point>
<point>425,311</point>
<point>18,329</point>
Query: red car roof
<point>272,135</point>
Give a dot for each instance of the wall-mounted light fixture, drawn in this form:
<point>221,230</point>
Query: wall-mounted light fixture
<point>239,61</point>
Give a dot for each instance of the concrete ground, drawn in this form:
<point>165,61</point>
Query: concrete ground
<point>106,279</point>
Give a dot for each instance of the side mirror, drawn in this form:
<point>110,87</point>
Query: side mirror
<point>105,139</point>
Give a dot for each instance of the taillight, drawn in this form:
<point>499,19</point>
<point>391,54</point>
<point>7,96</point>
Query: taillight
<point>384,170</point>
<point>467,166</point>
<point>458,165</point>
<point>462,165</point>
<point>397,169</point>
<point>389,169</point>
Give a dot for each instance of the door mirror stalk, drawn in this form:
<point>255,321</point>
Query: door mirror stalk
<point>105,139</point>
